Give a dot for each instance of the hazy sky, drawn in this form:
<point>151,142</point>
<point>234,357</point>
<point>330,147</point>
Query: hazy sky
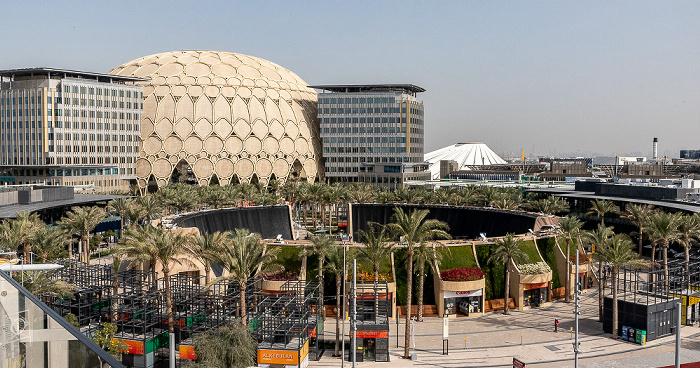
<point>549,77</point>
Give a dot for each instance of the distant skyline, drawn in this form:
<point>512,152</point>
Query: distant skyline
<point>550,77</point>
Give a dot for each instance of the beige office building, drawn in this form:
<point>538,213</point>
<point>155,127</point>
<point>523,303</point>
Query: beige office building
<point>63,127</point>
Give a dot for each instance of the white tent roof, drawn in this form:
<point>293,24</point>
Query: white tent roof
<point>465,154</point>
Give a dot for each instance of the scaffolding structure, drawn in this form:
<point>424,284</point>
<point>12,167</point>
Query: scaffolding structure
<point>289,319</point>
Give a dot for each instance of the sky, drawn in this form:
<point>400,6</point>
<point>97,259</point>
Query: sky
<point>552,78</point>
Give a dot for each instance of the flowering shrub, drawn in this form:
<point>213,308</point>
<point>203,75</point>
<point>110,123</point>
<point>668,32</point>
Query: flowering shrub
<point>582,258</point>
<point>364,276</point>
<point>534,268</point>
<point>281,276</point>
<point>462,274</point>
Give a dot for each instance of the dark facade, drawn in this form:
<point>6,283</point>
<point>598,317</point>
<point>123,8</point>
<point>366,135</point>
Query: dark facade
<point>269,221</point>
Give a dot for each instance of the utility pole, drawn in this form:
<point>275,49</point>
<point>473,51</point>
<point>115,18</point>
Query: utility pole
<point>577,299</point>
<point>678,335</point>
<point>342,355</point>
<point>353,323</point>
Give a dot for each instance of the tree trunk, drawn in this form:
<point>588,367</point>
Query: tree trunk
<point>653,267</point>
<point>338,313</point>
<point>393,267</point>
<point>409,290</point>
<point>614,300</point>
<point>168,300</point>
<point>641,237</point>
<point>665,255</point>
<point>567,288</point>
<point>302,269</point>
<point>421,279</point>
<point>115,292</point>
<point>154,276</point>
<point>242,304</point>
<point>86,248</point>
<point>687,266</point>
<point>207,271</point>
<point>507,291</point>
<point>600,291</point>
<point>376,296</point>
<point>321,307</point>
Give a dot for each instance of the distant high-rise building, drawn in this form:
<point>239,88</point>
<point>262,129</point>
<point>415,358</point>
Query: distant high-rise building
<point>690,154</point>
<point>64,127</point>
<point>372,133</point>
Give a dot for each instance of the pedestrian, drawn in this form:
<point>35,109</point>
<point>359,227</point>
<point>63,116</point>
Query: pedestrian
<point>590,282</point>
<point>556,324</point>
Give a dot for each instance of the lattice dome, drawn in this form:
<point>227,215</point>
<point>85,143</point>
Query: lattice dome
<point>235,116</point>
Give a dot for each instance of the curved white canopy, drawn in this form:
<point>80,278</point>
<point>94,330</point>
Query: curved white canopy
<point>465,154</point>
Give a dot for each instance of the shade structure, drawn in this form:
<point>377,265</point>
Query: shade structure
<point>465,154</point>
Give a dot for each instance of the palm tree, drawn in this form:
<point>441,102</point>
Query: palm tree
<point>81,221</point>
<point>322,244</point>
<point>570,226</point>
<point>690,231</point>
<point>334,264</point>
<point>549,205</point>
<point>426,253</point>
<point>40,283</point>
<point>203,246</point>
<point>414,229</point>
<point>361,193</point>
<point>376,250</point>
<point>48,244</point>
<point>638,214</point>
<point>602,207</point>
<point>242,256</point>
<point>599,237</point>
<point>25,225</point>
<point>167,245</point>
<point>117,259</point>
<point>316,191</point>
<point>618,252</point>
<point>663,229</point>
<point>120,206</point>
<point>507,250</point>
<point>150,206</point>
<point>335,196</point>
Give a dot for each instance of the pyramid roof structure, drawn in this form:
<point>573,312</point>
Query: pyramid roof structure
<point>465,154</point>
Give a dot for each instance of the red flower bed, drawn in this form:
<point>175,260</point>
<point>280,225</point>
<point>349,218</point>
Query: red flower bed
<point>281,276</point>
<point>462,274</point>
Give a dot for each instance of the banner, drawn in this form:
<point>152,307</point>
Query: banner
<point>462,294</point>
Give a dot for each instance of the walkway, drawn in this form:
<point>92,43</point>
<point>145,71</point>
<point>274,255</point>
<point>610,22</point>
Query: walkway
<point>494,339</point>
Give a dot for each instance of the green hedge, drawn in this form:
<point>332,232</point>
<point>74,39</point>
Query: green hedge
<point>547,248</point>
<point>455,257</point>
<point>531,251</point>
<point>494,273</point>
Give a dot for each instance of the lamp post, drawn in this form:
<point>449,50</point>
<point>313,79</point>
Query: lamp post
<point>577,299</point>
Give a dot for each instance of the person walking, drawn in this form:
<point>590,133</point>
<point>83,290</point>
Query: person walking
<point>556,324</point>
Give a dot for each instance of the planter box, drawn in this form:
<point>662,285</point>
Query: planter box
<point>272,286</point>
<point>536,279</point>
<point>441,286</point>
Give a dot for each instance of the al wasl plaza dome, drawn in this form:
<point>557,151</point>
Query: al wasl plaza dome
<point>223,116</point>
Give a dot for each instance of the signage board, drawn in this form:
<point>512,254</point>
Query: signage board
<point>462,294</point>
<point>286,357</point>
<point>534,286</point>
<point>518,364</point>
<point>445,328</point>
<point>381,334</point>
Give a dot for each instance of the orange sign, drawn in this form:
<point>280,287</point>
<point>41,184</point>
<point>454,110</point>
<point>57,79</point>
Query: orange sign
<point>135,347</point>
<point>287,357</point>
<point>187,352</point>
<point>372,334</point>
<point>534,286</point>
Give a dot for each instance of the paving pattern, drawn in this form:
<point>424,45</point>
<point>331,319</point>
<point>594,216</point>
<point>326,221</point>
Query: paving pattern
<point>495,339</point>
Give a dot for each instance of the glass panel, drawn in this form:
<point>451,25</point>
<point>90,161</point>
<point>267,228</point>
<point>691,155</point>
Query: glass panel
<point>35,336</point>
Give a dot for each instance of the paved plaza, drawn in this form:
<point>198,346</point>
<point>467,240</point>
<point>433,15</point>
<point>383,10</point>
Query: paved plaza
<point>494,339</point>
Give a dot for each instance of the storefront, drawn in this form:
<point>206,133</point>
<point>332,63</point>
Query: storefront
<point>463,302</point>
<point>460,298</point>
<point>372,343</point>
<point>534,295</point>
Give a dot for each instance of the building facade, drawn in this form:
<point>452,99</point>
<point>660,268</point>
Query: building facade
<point>221,117</point>
<point>372,133</point>
<point>63,127</point>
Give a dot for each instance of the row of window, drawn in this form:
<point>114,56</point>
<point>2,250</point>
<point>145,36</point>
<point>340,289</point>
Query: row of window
<point>93,125</point>
<point>327,140</point>
<point>99,91</point>
<point>98,103</point>
<point>380,150</point>
<point>355,100</point>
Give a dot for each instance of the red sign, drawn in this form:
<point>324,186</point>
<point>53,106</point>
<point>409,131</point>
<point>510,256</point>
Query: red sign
<point>372,334</point>
<point>518,364</point>
<point>535,286</point>
<point>187,352</point>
